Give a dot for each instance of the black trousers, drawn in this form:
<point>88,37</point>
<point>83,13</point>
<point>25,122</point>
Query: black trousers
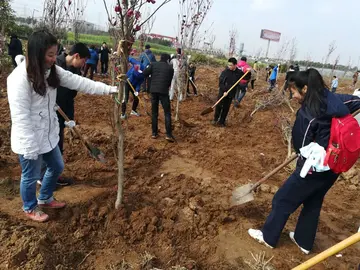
<point>165,102</point>
<point>222,109</point>
<point>272,84</point>
<point>147,83</point>
<point>126,100</point>
<point>104,67</point>
<point>68,109</point>
<point>296,191</point>
<point>193,87</point>
<point>252,84</point>
<point>92,70</point>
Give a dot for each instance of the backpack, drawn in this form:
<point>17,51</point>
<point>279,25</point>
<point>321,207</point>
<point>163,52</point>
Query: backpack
<point>344,144</point>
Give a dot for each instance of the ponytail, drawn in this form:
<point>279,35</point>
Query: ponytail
<point>314,98</point>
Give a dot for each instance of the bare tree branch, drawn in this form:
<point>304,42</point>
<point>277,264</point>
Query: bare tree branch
<point>332,48</point>
<point>232,42</point>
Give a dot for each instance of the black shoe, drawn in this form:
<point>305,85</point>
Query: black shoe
<point>222,125</point>
<point>63,181</point>
<point>213,122</point>
<point>154,136</point>
<point>170,138</point>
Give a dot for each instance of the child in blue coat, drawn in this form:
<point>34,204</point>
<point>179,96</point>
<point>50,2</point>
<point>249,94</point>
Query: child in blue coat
<point>136,78</point>
<point>91,62</point>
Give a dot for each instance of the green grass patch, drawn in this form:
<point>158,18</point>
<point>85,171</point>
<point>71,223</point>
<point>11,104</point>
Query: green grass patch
<point>157,49</point>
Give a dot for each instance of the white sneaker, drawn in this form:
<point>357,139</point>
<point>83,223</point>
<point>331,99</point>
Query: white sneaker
<point>258,236</point>
<point>123,116</point>
<point>292,234</point>
<point>134,113</point>
<point>39,182</point>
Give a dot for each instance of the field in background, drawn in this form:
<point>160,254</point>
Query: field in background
<point>98,40</point>
<point>156,48</point>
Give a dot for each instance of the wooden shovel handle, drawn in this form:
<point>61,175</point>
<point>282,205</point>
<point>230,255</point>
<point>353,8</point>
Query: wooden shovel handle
<point>74,128</point>
<point>193,83</point>
<point>329,252</point>
<point>228,91</point>
<point>278,168</point>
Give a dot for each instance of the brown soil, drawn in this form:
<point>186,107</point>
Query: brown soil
<point>176,196</point>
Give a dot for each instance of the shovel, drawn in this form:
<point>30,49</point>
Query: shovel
<point>192,82</point>
<point>244,194</point>
<point>211,109</point>
<point>141,101</point>
<point>94,152</point>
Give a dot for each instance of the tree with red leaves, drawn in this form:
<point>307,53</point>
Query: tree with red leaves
<point>126,22</point>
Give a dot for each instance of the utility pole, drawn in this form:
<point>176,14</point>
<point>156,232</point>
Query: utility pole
<point>32,18</point>
<point>267,50</point>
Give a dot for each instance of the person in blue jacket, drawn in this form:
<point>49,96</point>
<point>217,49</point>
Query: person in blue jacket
<point>312,124</point>
<point>136,78</point>
<point>91,62</point>
<point>146,58</point>
<point>273,77</point>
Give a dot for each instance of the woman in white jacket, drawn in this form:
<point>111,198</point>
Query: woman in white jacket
<point>35,127</point>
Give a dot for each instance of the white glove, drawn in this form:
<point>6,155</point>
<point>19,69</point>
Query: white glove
<point>315,156</point>
<point>140,71</point>
<point>70,124</point>
<point>357,92</point>
<point>31,156</point>
<point>136,93</point>
<point>113,89</point>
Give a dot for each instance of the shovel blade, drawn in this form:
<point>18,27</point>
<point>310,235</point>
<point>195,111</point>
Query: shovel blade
<point>207,111</point>
<point>97,154</point>
<point>242,195</point>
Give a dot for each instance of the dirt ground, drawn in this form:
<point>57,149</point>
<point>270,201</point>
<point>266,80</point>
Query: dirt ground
<point>176,212</point>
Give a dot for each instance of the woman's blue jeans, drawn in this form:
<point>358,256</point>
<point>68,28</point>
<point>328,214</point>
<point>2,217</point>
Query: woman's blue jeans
<point>31,172</point>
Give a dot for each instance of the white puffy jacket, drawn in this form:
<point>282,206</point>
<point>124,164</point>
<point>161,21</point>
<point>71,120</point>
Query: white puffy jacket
<point>35,126</point>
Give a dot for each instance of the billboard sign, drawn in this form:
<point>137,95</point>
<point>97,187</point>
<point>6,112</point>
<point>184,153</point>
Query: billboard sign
<point>270,35</point>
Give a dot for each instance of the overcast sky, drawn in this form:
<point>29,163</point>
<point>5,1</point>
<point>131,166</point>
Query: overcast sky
<point>314,23</point>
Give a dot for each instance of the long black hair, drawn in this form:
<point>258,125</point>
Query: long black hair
<point>39,42</point>
<point>314,98</point>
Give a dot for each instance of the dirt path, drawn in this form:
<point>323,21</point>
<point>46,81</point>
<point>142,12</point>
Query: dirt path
<point>176,201</point>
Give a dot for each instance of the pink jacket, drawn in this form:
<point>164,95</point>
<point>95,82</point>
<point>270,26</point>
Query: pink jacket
<point>244,67</point>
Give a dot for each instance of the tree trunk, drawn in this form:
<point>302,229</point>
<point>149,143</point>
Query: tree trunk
<point>123,53</point>
<point>191,38</point>
<point>76,32</point>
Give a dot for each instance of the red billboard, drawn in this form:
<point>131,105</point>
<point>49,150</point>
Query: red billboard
<point>270,35</point>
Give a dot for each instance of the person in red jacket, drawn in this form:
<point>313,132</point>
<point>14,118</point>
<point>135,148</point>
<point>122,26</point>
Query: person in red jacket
<point>242,87</point>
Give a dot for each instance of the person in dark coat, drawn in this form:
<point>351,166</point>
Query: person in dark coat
<point>227,79</point>
<point>161,77</point>
<point>65,96</point>
<point>104,58</point>
<point>289,73</point>
<point>191,79</point>
<point>15,48</point>
<point>146,58</point>
<point>312,125</point>
<point>61,48</point>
